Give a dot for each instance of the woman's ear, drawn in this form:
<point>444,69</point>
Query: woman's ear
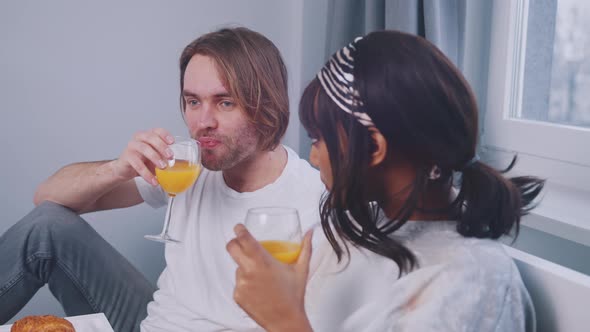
<point>378,156</point>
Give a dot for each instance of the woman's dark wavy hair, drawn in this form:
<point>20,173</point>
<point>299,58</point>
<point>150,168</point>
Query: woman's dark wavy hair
<point>428,114</point>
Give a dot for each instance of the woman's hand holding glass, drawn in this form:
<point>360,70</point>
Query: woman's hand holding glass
<point>271,292</point>
<point>278,230</point>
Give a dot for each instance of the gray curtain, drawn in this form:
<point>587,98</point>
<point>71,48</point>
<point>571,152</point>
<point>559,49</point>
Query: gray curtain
<point>440,21</point>
<point>460,28</point>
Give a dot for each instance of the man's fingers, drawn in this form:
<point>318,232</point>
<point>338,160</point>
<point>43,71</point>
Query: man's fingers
<point>160,145</point>
<point>149,154</point>
<point>149,140</point>
<point>164,135</point>
<point>142,170</point>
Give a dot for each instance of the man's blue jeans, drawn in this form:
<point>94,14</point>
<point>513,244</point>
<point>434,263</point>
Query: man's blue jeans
<point>53,245</point>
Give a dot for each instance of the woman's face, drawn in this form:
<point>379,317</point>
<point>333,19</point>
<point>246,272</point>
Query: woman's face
<point>318,156</point>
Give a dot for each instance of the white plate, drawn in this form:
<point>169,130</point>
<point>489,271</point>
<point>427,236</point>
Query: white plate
<point>85,323</point>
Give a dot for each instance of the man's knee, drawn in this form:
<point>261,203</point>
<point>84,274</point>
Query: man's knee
<point>50,216</point>
<point>51,211</point>
<point>45,225</point>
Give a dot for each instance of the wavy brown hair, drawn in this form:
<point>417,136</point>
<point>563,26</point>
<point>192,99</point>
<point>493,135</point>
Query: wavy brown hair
<point>253,72</point>
<point>425,109</point>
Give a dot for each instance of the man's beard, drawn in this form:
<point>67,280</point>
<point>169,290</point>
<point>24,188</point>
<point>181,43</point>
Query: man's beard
<point>234,149</point>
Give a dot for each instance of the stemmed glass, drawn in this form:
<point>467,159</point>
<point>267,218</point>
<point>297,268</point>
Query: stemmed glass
<point>182,171</point>
<point>278,230</point>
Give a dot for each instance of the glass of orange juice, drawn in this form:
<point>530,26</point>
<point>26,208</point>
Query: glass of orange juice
<point>180,174</point>
<point>278,230</point>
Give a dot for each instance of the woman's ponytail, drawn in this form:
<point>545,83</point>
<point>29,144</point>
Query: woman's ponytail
<point>490,204</point>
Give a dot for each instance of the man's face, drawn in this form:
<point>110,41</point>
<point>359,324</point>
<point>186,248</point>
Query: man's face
<point>213,117</point>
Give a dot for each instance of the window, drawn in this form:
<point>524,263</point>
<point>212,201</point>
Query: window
<point>538,106</point>
<point>559,42</point>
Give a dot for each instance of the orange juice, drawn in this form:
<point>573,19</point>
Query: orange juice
<point>179,177</point>
<point>284,251</point>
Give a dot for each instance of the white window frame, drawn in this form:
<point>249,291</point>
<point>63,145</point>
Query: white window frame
<point>558,153</point>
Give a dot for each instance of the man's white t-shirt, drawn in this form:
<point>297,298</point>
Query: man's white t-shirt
<point>195,290</point>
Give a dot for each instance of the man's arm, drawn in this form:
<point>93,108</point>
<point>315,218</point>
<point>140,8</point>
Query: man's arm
<point>87,187</point>
<point>104,185</point>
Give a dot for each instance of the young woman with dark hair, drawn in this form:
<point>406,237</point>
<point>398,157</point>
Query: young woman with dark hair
<point>394,125</point>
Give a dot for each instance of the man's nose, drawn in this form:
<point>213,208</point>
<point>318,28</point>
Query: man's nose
<point>202,119</point>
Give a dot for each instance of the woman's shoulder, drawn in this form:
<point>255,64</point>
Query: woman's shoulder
<point>478,267</point>
<point>438,245</point>
<point>458,278</point>
<point>470,276</point>
<point>477,260</point>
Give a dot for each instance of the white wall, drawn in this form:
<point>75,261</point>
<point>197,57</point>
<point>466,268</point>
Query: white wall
<point>78,79</point>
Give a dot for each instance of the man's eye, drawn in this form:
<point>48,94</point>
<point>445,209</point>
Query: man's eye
<point>192,102</point>
<point>227,104</point>
<point>314,141</point>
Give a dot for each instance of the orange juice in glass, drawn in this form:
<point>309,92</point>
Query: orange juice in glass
<point>180,174</point>
<point>284,251</point>
<point>179,177</point>
<point>278,230</point>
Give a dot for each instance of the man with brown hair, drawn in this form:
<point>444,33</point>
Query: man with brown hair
<point>234,102</point>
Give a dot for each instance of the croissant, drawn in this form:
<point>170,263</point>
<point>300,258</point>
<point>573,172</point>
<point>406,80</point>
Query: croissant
<point>47,323</point>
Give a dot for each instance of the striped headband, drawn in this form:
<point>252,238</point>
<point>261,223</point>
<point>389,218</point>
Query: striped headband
<point>337,79</point>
